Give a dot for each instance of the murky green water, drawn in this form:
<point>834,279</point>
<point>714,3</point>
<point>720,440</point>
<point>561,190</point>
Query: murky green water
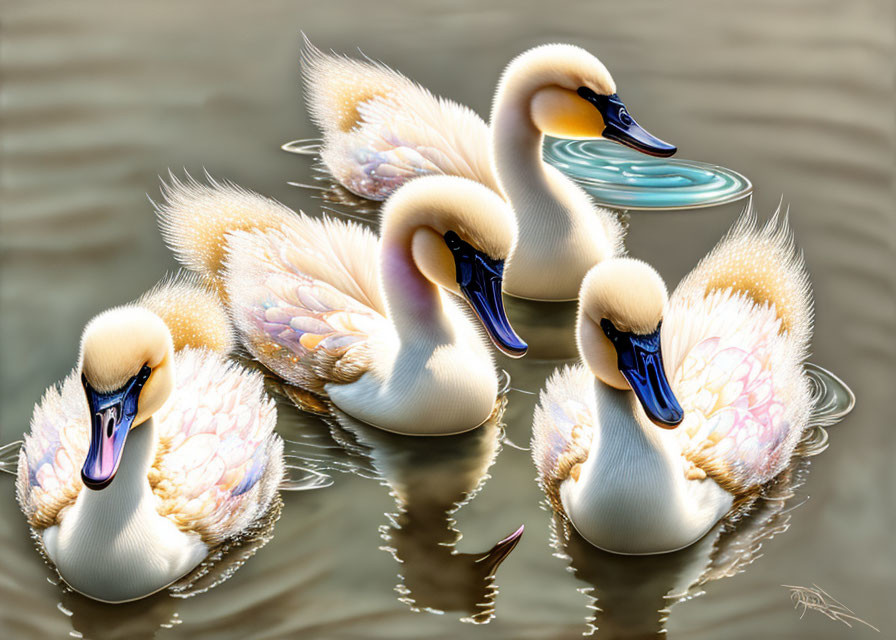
<point>99,98</point>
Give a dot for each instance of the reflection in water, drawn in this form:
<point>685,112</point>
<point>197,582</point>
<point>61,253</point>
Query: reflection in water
<point>9,457</point>
<point>337,199</point>
<point>622,178</point>
<point>549,328</point>
<point>632,596</point>
<point>430,479</point>
<point>137,620</point>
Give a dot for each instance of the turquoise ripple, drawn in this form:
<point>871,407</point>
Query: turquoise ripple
<point>619,177</point>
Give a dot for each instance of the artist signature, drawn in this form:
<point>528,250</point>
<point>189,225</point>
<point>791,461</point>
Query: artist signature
<point>818,599</point>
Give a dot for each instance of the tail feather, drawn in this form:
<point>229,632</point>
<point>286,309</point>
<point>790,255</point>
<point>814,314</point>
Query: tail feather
<point>763,263</point>
<point>195,220</point>
<point>335,86</point>
<point>193,312</point>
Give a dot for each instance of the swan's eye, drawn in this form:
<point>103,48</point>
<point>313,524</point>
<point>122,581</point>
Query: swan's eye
<point>588,94</point>
<point>610,330</point>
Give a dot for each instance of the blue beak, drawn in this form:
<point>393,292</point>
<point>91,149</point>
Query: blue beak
<point>621,127</point>
<point>480,279</point>
<point>111,417</point>
<point>640,361</point>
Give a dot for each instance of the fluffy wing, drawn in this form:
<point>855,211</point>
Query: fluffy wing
<point>563,426</point>
<point>305,298</point>
<point>735,335</point>
<point>219,462</point>
<point>380,129</point>
<point>49,472</point>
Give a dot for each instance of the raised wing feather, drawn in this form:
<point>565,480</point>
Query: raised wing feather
<point>49,472</point>
<point>735,335</point>
<point>380,129</point>
<point>563,426</point>
<point>306,300</point>
<point>219,462</point>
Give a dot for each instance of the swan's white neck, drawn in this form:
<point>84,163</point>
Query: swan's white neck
<point>517,148</point>
<point>112,545</point>
<point>414,303</point>
<point>560,233</point>
<point>435,374</point>
<point>632,495</point>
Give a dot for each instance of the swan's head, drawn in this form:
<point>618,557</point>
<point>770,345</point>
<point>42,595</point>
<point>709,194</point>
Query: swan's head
<point>572,95</point>
<point>127,373</point>
<point>621,306</point>
<point>461,233</point>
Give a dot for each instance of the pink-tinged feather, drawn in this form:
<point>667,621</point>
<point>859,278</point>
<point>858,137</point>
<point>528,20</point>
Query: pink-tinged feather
<point>304,299</point>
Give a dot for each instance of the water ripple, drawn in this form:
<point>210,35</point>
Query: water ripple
<point>619,177</point>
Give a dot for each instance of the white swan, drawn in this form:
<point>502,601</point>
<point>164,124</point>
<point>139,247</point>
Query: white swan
<point>381,129</point>
<point>371,324</point>
<point>720,393</point>
<point>152,452</point>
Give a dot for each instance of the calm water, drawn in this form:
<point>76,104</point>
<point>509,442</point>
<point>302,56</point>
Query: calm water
<point>99,99</point>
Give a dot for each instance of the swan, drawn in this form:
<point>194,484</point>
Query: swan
<point>371,325</point>
<point>380,129</point>
<point>154,451</point>
<point>682,405</point>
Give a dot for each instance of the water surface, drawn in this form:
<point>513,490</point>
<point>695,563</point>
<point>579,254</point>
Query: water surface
<point>100,98</point>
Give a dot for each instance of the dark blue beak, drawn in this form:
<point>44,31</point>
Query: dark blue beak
<point>640,361</point>
<point>111,417</point>
<point>480,279</point>
<point>621,127</point>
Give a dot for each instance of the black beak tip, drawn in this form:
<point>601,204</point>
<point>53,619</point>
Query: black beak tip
<point>515,350</point>
<point>639,140</point>
<point>668,419</point>
<point>96,485</point>
<point>664,151</point>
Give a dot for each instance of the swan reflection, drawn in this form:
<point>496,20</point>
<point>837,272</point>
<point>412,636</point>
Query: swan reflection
<point>430,479</point>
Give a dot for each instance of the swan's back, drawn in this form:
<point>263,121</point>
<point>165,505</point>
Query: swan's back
<point>219,463</point>
<point>192,312</point>
<point>297,288</point>
<point>307,293</point>
<point>381,129</point>
<point>735,335</point>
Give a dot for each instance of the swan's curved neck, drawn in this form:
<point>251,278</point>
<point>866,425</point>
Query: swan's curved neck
<point>557,223</point>
<point>516,148</point>
<point>413,302</point>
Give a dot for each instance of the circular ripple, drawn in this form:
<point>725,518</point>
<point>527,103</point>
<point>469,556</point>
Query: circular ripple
<point>619,177</point>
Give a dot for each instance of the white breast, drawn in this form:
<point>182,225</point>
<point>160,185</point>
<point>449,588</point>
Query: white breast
<point>112,545</point>
<point>453,384</point>
<point>632,495</point>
